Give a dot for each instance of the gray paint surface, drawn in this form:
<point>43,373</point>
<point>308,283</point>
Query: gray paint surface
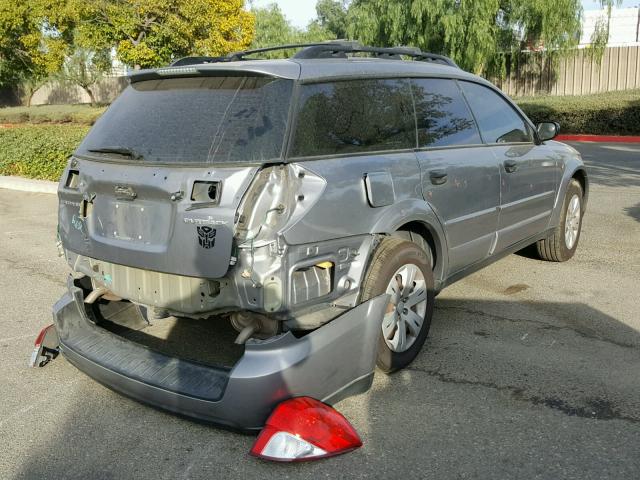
<point>467,204</point>
<point>151,230</point>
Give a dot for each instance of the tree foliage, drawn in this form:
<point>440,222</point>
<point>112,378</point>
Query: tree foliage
<point>150,33</point>
<point>332,15</point>
<point>472,32</point>
<point>273,28</point>
<point>85,68</point>
<point>73,39</point>
<point>35,36</point>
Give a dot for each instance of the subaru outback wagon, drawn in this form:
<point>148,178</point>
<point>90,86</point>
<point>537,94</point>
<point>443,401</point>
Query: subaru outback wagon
<point>243,231</point>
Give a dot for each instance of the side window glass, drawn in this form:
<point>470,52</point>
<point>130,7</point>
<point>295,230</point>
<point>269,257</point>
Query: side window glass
<point>498,121</point>
<point>353,117</point>
<point>443,116</point>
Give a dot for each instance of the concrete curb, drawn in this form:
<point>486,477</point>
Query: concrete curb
<point>598,138</point>
<point>28,184</point>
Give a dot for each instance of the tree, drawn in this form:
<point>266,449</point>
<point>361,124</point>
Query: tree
<point>472,32</point>
<point>600,36</point>
<point>273,28</point>
<point>34,39</point>
<point>332,15</point>
<point>85,68</point>
<point>150,33</point>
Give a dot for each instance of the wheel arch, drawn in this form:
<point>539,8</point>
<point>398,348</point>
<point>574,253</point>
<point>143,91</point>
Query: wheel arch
<point>416,216</point>
<point>577,173</point>
<point>581,176</point>
<point>427,233</point>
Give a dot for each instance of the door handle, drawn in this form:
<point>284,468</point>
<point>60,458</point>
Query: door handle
<point>438,177</point>
<point>510,166</point>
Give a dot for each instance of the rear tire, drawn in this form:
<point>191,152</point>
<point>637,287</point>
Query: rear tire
<point>402,267</point>
<point>418,240</point>
<point>562,244</point>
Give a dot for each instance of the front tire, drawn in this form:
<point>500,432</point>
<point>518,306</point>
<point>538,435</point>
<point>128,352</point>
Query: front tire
<point>562,245</point>
<point>403,270</point>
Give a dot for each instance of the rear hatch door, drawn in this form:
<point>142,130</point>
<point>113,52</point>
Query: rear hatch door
<point>145,217</point>
<point>157,182</point>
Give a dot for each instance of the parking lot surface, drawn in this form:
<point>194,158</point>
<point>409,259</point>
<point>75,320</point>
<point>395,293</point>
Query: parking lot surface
<point>531,370</point>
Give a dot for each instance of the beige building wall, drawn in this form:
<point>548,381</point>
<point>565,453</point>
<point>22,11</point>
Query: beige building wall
<point>106,90</point>
<point>575,74</point>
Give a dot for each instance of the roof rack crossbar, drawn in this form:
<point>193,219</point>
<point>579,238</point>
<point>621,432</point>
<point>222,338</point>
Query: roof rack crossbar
<point>332,49</point>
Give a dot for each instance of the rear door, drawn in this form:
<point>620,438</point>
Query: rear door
<point>460,175</point>
<point>529,171</point>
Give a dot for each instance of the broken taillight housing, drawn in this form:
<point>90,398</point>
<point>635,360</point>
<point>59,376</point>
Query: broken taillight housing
<point>45,347</point>
<point>276,199</point>
<point>303,429</point>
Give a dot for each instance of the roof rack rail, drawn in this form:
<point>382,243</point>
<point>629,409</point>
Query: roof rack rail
<point>332,49</point>
<point>334,43</point>
<point>394,53</point>
<point>238,56</point>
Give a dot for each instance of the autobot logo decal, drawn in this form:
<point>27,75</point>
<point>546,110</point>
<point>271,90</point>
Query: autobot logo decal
<point>206,236</point>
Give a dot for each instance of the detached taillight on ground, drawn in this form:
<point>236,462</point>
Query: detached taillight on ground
<point>45,347</point>
<point>302,429</point>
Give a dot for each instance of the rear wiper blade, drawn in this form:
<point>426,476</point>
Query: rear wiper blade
<point>129,152</point>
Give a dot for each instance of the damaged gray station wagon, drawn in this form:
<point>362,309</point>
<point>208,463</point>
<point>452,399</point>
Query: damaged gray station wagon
<point>243,231</point>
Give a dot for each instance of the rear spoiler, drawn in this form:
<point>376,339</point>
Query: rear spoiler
<point>288,70</point>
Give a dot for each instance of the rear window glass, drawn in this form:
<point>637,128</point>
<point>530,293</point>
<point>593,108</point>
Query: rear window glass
<point>443,116</point>
<point>195,120</point>
<point>353,117</point>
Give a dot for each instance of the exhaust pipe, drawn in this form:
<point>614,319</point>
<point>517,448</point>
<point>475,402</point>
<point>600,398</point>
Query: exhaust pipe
<point>99,293</point>
<point>96,294</point>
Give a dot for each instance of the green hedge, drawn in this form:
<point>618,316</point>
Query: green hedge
<point>38,151</point>
<point>79,114</point>
<point>614,113</point>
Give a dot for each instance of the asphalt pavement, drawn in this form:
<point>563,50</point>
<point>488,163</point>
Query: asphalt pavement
<point>531,370</point>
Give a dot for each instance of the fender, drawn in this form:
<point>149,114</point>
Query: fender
<point>571,163</point>
<point>415,210</point>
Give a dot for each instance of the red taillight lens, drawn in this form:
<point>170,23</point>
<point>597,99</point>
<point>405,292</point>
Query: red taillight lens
<point>305,429</point>
<point>45,347</point>
<point>42,334</point>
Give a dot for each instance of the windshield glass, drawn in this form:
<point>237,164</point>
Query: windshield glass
<point>194,120</point>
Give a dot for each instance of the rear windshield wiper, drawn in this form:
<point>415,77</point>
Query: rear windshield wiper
<point>128,152</point>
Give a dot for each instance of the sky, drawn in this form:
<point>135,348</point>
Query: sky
<point>301,12</point>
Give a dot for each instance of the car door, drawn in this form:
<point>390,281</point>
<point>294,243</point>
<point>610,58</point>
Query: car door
<point>529,171</point>
<point>460,175</point>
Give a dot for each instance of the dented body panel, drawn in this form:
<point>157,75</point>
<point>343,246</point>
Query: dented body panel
<point>155,226</point>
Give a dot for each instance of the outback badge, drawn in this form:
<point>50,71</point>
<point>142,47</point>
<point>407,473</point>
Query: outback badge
<point>206,236</point>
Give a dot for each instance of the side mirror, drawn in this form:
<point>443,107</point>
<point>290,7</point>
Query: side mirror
<point>548,130</point>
